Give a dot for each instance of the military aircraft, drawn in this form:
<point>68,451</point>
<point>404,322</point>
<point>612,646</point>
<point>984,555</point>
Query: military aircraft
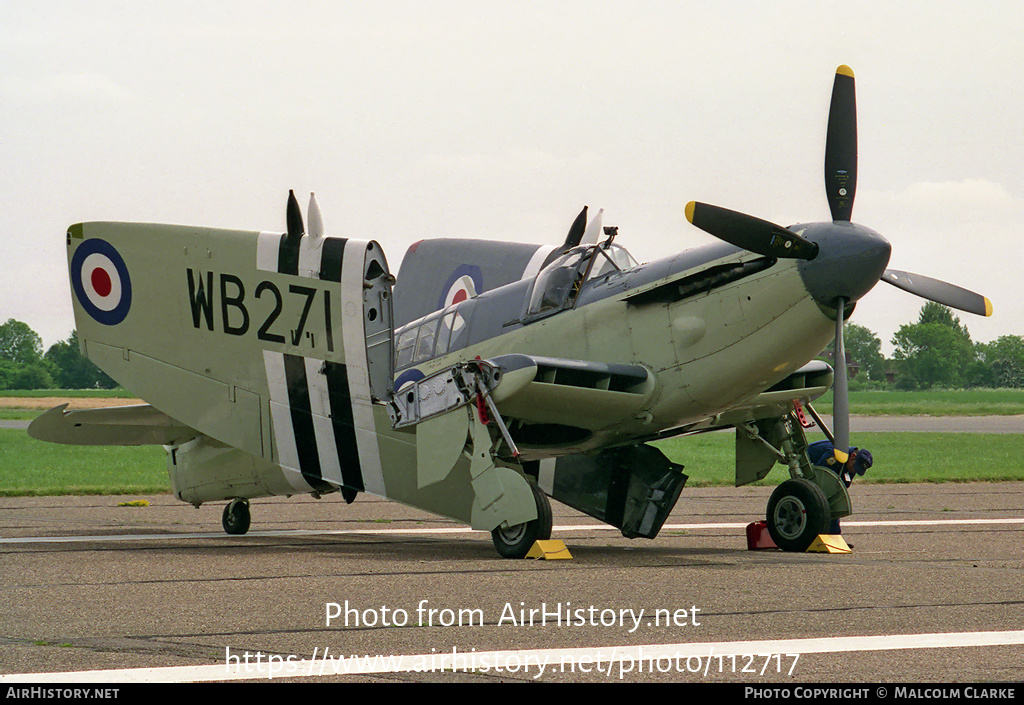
<point>487,376</point>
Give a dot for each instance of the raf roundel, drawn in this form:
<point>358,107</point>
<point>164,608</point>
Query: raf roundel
<point>101,282</point>
<point>464,283</point>
<point>462,289</point>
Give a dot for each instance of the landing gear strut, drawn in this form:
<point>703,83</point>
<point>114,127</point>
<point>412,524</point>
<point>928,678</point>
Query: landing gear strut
<point>236,516</point>
<point>516,541</point>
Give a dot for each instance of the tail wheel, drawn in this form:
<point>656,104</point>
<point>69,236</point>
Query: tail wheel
<point>236,517</point>
<point>515,541</point>
<point>797,512</point>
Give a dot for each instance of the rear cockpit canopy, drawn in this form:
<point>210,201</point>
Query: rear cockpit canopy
<point>555,288</point>
<point>430,337</point>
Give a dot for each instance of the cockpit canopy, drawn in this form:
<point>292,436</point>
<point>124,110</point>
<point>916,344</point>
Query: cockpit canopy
<point>558,284</point>
<point>554,289</point>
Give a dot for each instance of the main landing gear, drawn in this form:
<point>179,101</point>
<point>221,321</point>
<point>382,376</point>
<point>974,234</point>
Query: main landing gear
<point>802,507</point>
<point>516,541</point>
<point>236,516</point>
<point>797,512</point>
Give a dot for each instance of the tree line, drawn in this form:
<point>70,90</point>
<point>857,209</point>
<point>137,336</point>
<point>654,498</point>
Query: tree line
<point>936,351</point>
<point>24,365</point>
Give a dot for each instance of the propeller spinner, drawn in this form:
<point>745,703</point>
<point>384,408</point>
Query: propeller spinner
<point>841,261</point>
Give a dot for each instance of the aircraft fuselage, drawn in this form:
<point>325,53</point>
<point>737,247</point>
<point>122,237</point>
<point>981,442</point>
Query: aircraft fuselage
<point>708,350</point>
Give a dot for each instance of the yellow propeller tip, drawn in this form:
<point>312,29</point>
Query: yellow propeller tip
<point>845,71</point>
<point>689,210</point>
<point>988,307</point>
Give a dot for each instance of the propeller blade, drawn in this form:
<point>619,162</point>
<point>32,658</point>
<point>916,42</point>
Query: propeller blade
<point>594,230</point>
<point>840,391</point>
<point>841,146</point>
<point>939,291</point>
<point>579,226</point>
<point>316,220</point>
<point>293,216</point>
<point>749,232</point>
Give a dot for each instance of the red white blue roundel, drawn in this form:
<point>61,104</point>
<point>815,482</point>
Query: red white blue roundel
<point>464,283</point>
<point>101,282</point>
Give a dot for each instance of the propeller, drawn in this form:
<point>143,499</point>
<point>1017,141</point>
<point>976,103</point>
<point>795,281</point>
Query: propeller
<point>750,233</point>
<point>839,261</point>
<point>576,231</point>
<point>316,220</point>
<point>594,230</point>
<point>840,391</point>
<point>293,217</point>
<point>939,291</point>
<point>841,146</point>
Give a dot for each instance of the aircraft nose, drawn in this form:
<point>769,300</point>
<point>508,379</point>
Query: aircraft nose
<point>850,261</point>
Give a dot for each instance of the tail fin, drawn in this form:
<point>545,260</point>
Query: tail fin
<point>281,347</point>
<point>205,323</point>
<point>437,273</point>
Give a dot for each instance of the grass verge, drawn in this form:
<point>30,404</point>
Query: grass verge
<point>30,467</point>
<point>942,402</point>
<point>899,457</point>
<point>75,393</point>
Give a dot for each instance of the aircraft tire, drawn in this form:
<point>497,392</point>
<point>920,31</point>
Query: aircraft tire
<point>236,517</point>
<point>516,541</point>
<point>797,512</point>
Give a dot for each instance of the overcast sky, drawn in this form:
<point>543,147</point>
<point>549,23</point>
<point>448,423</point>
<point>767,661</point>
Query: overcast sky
<point>500,120</point>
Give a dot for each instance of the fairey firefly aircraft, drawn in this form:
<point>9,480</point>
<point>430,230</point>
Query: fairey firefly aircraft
<point>489,376</point>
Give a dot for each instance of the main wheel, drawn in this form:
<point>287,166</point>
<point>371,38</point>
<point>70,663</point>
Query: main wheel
<point>797,512</point>
<point>236,516</point>
<point>515,541</point>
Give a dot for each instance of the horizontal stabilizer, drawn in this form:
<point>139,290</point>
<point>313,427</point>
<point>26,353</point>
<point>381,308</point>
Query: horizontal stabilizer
<point>135,425</point>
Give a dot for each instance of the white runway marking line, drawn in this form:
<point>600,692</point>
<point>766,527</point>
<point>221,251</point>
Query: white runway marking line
<point>527,662</point>
<point>465,530</point>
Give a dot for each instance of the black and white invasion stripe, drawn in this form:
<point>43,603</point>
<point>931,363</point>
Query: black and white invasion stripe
<point>321,411</point>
